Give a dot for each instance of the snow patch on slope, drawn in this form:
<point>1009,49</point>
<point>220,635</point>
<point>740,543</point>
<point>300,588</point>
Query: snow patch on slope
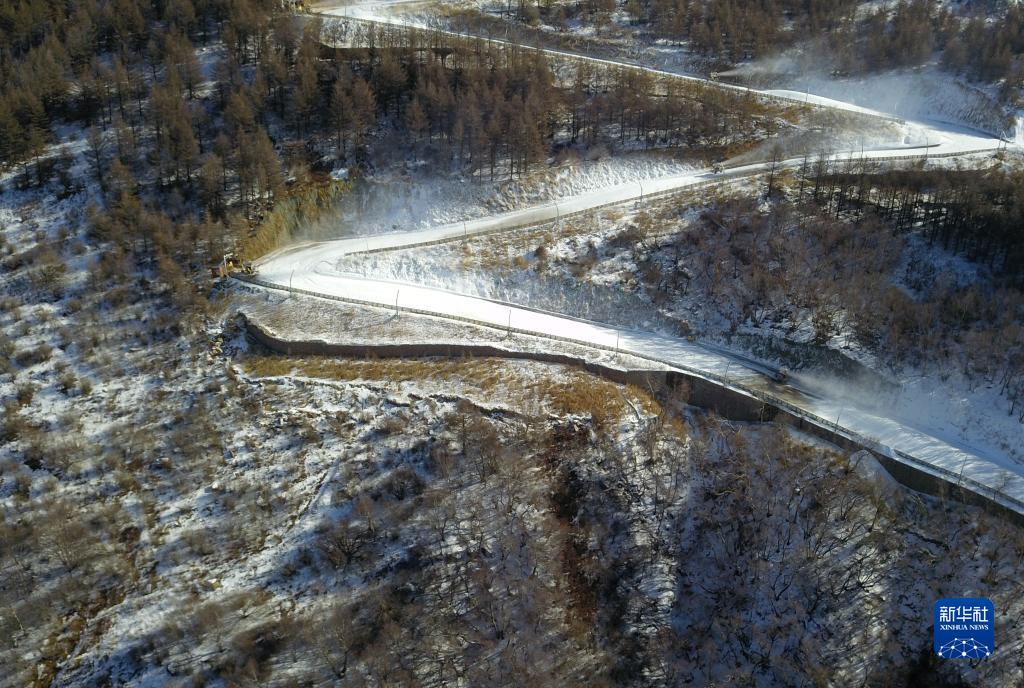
<point>924,94</point>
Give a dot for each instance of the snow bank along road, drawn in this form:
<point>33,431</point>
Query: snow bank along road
<point>310,268</point>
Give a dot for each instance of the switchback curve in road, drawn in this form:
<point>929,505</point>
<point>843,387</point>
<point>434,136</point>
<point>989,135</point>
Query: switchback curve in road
<point>309,268</point>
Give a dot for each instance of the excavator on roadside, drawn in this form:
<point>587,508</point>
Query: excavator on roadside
<point>230,263</point>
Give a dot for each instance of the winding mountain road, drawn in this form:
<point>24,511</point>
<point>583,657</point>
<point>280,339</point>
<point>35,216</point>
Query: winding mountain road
<point>312,268</point>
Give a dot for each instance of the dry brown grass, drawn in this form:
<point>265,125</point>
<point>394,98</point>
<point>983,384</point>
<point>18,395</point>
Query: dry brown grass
<point>795,114</point>
<point>605,401</point>
<point>560,389</point>
<point>786,179</point>
<point>485,373</point>
<point>580,397</point>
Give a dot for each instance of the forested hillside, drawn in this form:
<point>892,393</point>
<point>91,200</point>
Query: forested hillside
<point>196,118</point>
<point>184,501</point>
<point>985,43</point>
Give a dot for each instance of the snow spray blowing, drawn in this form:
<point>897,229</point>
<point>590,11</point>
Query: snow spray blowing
<point>293,218</point>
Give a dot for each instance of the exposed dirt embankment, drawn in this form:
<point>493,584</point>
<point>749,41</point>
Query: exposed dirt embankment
<point>299,211</point>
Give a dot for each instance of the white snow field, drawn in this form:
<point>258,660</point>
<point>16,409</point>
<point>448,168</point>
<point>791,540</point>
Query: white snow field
<point>311,268</point>
<point>811,99</point>
<point>920,93</point>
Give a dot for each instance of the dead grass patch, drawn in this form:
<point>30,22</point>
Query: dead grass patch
<point>560,389</point>
<point>605,401</point>
<point>485,373</point>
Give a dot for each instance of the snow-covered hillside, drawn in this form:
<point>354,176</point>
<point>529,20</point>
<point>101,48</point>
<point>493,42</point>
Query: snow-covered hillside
<point>573,404</point>
<point>927,94</point>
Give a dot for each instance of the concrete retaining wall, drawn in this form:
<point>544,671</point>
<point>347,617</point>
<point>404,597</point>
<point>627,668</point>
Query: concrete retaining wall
<point>729,403</point>
<point>648,379</point>
<point>907,475</point>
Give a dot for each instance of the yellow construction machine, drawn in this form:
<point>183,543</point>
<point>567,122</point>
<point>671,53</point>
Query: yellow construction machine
<point>232,264</point>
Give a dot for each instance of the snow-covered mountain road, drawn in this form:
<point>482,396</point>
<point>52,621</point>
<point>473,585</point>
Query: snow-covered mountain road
<point>311,268</point>
<point>378,13</point>
<point>941,145</point>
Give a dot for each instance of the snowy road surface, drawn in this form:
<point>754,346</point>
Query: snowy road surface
<point>940,144</point>
<point>312,267</point>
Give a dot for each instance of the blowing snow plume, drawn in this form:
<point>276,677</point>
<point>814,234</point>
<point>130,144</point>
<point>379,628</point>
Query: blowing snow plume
<point>768,71</point>
<point>928,93</point>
